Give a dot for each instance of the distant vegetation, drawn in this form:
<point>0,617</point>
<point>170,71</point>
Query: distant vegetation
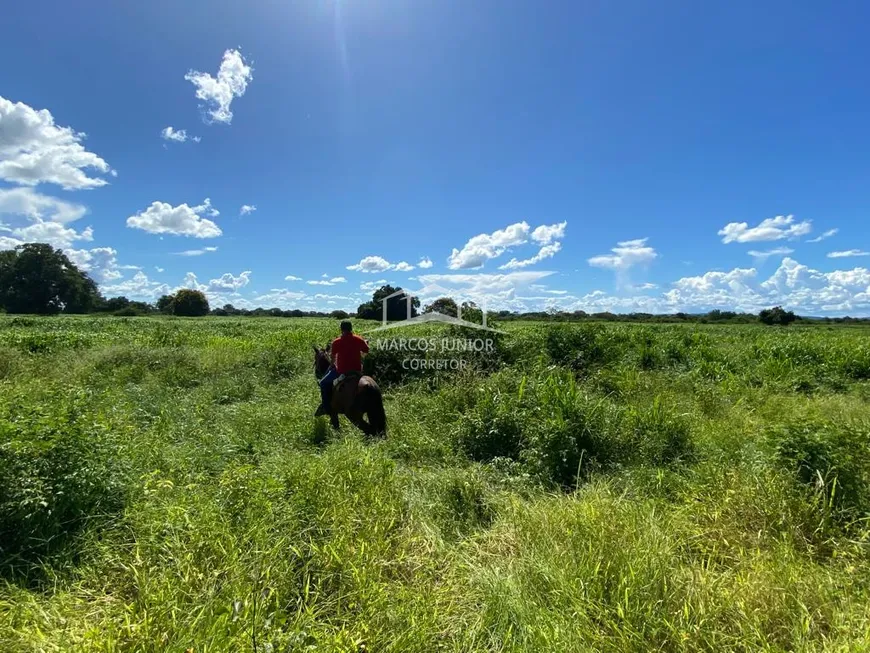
<point>37,279</point>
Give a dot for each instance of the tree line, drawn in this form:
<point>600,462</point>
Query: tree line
<point>38,279</point>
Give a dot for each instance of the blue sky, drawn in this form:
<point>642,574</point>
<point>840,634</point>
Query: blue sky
<point>612,151</point>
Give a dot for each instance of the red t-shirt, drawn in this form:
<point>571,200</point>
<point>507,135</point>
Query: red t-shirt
<point>347,353</point>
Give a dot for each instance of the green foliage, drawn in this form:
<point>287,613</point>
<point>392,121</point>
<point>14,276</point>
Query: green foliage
<point>189,303</point>
<point>776,315</point>
<point>443,305</point>
<point>397,307</point>
<point>36,278</point>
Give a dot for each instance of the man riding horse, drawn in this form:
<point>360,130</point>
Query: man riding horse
<point>347,351</point>
<point>356,395</point>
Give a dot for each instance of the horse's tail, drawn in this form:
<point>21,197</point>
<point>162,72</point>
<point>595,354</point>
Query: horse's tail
<point>375,411</point>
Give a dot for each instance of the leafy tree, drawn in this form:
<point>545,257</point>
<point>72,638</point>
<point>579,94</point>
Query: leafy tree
<point>165,304</point>
<point>338,315</point>
<point>471,313</point>
<point>116,303</point>
<point>397,307</point>
<point>190,303</point>
<point>36,278</point>
<point>776,315</point>
<point>443,305</point>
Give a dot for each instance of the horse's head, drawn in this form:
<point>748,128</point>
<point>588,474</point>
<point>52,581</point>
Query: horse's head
<point>321,361</point>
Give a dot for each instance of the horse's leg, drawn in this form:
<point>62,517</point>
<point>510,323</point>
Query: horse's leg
<point>333,420</point>
<point>357,420</point>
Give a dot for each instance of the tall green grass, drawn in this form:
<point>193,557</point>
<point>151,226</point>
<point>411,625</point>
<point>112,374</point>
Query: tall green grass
<point>615,487</point>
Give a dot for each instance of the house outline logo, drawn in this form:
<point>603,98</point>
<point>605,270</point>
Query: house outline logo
<point>433,316</point>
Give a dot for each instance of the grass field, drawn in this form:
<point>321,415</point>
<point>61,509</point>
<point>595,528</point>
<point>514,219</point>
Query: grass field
<point>164,487</point>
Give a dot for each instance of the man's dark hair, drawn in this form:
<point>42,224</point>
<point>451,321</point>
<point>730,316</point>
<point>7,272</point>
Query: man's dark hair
<point>346,326</point>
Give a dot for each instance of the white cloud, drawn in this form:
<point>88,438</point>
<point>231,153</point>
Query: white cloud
<point>425,263</point>
<point>848,253</point>
<point>494,290</point>
<point>35,206</point>
<point>545,234</point>
<point>53,233</point>
<point>280,298</point>
<point>326,282</point>
<point>547,251</point>
<point>371,286</point>
<point>371,264</point>
<point>403,266</point>
<point>101,263</point>
<point>138,287</point>
<point>27,216</point>
<point>159,269</point>
<point>483,247</point>
<point>782,226</point>
<point>290,277</point>
<point>626,254</point>
<point>827,234</point>
<point>247,209</point>
<point>776,251</point>
<point>232,79</point>
<point>177,135</point>
<point>196,252</point>
<point>479,249</point>
<point>793,285</point>
<point>33,150</point>
<point>181,220</point>
<point>227,282</point>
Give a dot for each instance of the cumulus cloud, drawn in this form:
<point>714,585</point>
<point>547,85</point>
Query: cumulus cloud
<point>493,290</point>
<point>483,247</point>
<point>626,254</point>
<point>547,251</point>
<point>28,203</point>
<point>34,150</point>
<point>28,216</point>
<point>218,92</point>
<point>827,234</point>
<point>177,135</point>
<point>227,282</point>
<point>403,266</point>
<point>847,253</point>
<point>181,220</point>
<point>290,277</point>
<point>546,234</point>
<point>101,263</point>
<point>138,287</point>
<point>196,252</point>
<point>778,228</point>
<point>372,264</point>
<point>247,209</point>
<point>425,263</point>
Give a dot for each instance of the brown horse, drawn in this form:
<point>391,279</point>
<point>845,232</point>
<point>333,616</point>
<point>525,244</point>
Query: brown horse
<point>353,402</point>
